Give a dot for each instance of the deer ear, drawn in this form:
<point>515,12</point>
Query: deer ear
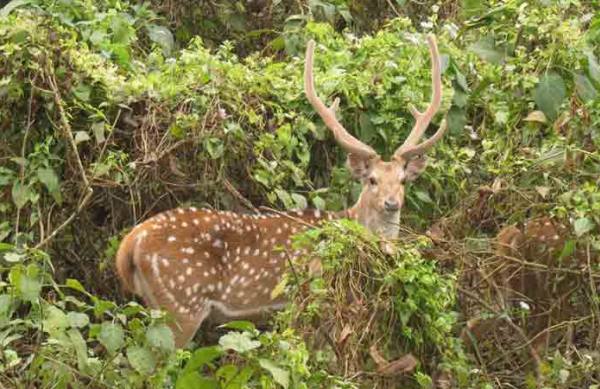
<point>359,166</point>
<point>414,167</point>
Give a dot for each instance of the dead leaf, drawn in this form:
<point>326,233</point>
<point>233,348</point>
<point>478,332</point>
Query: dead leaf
<point>346,332</point>
<point>536,116</point>
<point>404,364</point>
<point>561,121</point>
<point>379,360</point>
<point>173,166</point>
<point>315,268</point>
<point>543,191</point>
<point>435,233</point>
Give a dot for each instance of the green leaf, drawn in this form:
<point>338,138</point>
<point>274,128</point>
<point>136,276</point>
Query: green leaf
<point>585,88</point>
<point>77,319</point>
<point>487,50</point>
<point>241,325</point>
<point>54,320</point>
<point>193,380</point>
<point>13,257</point>
<point>81,136</point>
<point>20,194</point>
<point>80,348</point>
<point>299,200</point>
<point>12,5</point>
<point>141,359</point>
<point>48,177</point>
<point>161,337</point>
<point>162,37</point>
<point>111,336</point>
<point>202,356</point>
<point>238,341</point>
<point>98,130</point>
<point>74,284</point>
<point>29,288</point>
<point>281,376</point>
<point>583,225</point>
<point>549,94</point>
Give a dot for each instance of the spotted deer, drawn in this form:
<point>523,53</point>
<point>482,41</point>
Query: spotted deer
<point>196,262</point>
<point>533,272</point>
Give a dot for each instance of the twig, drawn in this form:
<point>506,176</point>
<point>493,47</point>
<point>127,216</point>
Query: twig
<point>235,193</point>
<point>286,215</point>
<point>534,354</point>
<point>88,191</point>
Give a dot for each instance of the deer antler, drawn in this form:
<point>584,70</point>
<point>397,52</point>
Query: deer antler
<point>344,139</point>
<point>411,146</point>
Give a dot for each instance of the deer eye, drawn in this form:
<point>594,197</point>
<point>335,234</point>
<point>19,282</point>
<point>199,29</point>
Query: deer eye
<point>372,181</point>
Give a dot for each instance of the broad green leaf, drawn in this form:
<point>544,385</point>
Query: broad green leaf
<point>54,320</point>
<point>162,37</point>
<point>585,88</point>
<point>29,288</point>
<point>141,359</point>
<point>20,194</point>
<point>13,257</point>
<point>48,177</point>
<point>78,319</point>
<point>593,66</point>
<point>550,94</point>
<point>193,380</point>
<point>81,136</point>
<point>583,225</point>
<point>80,348</point>
<point>202,356</point>
<point>161,337</point>
<point>111,336</point>
<point>487,50</point>
<point>299,200</point>
<point>238,341</point>
<point>281,376</point>
<point>98,130</point>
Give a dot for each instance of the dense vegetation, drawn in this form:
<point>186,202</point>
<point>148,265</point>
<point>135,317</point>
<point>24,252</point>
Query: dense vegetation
<point>112,111</point>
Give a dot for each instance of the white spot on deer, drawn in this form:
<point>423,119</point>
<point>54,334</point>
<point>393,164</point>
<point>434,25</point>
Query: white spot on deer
<point>185,261</point>
<point>265,254</point>
<point>172,283</point>
<point>279,230</point>
<point>184,224</point>
<point>195,287</point>
<point>256,252</point>
<point>165,262</point>
<point>317,213</point>
<point>294,230</point>
<point>273,240</point>
<point>218,243</point>
<point>183,310</point>
<point>252,271</point>
<point>205,274</point>
<point>206,219</point>
<point>217,227</point>
<point>206,254</point>
<point>196,222</point>
<point>188,250</point>
<point>188,291</point>
<point>556,237</point>
<point>240,293</point>
<point>171,238</point>
<point>172,219</point>
<point>193,209</point>
<point>245,265</point>
<point>219,285</point>
<point>213,271</point>
<point>238,249</point>
<point>211,287</point>
<point>248,228</point>
<point>181,278</point>
<point>188,271</point>
<point>288,242</point>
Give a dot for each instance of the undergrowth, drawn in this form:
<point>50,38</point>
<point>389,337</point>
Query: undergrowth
<point>111,111</point>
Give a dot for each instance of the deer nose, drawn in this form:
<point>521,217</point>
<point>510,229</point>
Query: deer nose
<point>391,205</point>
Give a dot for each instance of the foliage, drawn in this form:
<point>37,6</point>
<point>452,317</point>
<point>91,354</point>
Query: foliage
<point>111,111</point>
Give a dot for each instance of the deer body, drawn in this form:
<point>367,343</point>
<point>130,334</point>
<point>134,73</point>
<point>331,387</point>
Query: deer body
<point>196,263</point>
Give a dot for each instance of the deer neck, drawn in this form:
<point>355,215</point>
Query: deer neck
<point>384,224</point>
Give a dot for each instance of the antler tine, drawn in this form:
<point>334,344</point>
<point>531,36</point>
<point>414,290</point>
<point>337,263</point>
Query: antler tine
<point>426,145</point>
<point>344,139</point>
<point>422,119</point>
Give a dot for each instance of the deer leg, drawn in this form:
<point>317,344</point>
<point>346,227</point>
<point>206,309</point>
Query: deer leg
<point>185,325</point>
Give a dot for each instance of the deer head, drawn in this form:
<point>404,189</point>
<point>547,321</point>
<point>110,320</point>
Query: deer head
<point>382,196</point>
